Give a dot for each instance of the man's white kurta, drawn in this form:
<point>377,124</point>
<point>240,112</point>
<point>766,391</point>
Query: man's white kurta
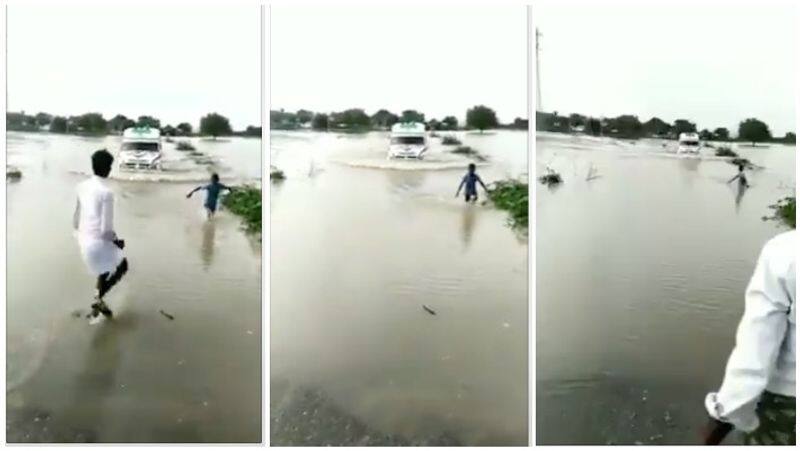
<point>765,355</point>
<point>94,222</point>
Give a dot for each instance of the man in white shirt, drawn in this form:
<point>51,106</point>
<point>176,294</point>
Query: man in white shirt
<point>101,249</point>
<point>757,395</point>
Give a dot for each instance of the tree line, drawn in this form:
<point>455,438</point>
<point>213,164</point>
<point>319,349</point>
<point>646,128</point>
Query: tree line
<point>479,117</point>
<point>212,124</point>
<point>629,127</point>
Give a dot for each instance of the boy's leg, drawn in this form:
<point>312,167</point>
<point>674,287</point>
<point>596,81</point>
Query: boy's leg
<point>105,282</point>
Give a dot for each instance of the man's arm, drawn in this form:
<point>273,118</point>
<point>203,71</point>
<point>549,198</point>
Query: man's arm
<point>107,218</point>
<point>734,178</point>
<point>76,217</point>
<point>758,341</point>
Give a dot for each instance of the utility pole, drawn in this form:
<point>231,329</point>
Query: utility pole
<point>538,79</point>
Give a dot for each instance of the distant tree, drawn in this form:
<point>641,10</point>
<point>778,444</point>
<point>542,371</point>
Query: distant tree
<point>655,127</point>
<point>412,116</point>
<point>169,130</point>
<point>252,131</point>
<point>683,126</point>
<point>721,134</point>
<point>215,125</point>
<point>384,119</point>
<point>481,117</point>
<point>92,123</point>
<point>119,123</point>
<point>282,120</point>
<point>434,124</point>
<point>706,135</point>
<point>552,122</point>
<point>593,126</point>
<point>184,129</point>
<point>351,118</point>
<point>58,125</point>
<point>790,138</point>
<point>577,120</point>
<point>43,119</point>
<point>450,123</point>
<point>148,121</point>
<point>754,130</point>
<point>625,126</point>
<point>304,116</point>
<point>522,124</point>
<point>320,121</point>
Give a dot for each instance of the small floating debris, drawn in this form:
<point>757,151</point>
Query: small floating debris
<point>13,173</point>
<point>552,178</point>
<point>276,174</point>
<point>167,315</point>
<point>184,146</point>
<point>428,309</point>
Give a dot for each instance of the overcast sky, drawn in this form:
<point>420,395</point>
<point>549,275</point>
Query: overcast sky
<point>714,64</point>
<point>439,60</point>
<point>176,63</point>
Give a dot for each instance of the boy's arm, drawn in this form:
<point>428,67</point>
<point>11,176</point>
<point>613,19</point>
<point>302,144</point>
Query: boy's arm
<point>734,178</point>
<point>76,217</point>
<point>193,191</point>
<point>107,218</point>
<point>461,185</point>
<point>484,186</point>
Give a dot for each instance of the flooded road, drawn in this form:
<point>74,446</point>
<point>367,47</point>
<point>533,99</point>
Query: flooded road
<point>359,244</point>
<point>141,377</point>
<point>641,273</point>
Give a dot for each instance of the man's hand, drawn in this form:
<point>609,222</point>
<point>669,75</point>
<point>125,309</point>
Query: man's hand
<point>189,195</point>
<point>715,431</point>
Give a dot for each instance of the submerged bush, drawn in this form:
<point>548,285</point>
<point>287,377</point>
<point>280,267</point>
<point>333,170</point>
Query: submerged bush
<point>13,173</point>
<point>184,145</point>
<point>784,211</point>
<point>512,196</point>
<point>245,201</point>
<point>743,162</point>
<point>725,151</point>
<point>469,151</point>
<point>450,141</point>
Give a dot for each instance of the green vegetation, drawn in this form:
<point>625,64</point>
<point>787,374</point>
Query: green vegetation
<point>785,211</point>
<point>184,145</point>
<point>512,196</point>
<point>357,120</point>
<point>629,127</point>
<point>725,151</point>
<point>215,125</point>
<point>739,161</point>
<point>245,201</point>
<point>96,124</point>
<point>449,140</point>
<point>482,118</point>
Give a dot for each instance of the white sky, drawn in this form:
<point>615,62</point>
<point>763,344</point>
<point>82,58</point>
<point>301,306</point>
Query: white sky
<point>176,63</point>
<point>439,60</point>
<point>714,64</point>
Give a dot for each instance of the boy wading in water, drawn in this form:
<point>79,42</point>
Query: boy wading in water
<point>470,180</point>
<point>212,194</point>
<point>757,395</point>
<point>101,249</point>
<point>742,178</point>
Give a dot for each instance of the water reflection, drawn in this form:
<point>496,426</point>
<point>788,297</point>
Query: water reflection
<point>468,224</point>
<point>207,246</point>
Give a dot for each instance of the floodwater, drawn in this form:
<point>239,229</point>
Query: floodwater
<point>359,244</point>
<point>140,377</point>
<point>640,279</point>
